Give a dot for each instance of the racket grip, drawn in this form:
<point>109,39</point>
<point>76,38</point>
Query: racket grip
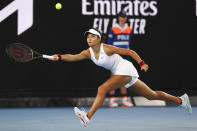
<point>47,57</point>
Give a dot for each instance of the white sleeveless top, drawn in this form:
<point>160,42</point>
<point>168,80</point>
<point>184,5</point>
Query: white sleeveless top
<point>108,62</point>
<point>115,63</point>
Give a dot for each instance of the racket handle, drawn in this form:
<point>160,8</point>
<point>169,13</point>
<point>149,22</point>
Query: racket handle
<point>47,57</point>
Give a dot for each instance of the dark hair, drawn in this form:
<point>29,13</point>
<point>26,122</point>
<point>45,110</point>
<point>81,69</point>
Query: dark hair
<point>122,13</point>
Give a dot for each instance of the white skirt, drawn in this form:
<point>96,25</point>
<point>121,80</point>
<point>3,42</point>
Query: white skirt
<point>127,68</point>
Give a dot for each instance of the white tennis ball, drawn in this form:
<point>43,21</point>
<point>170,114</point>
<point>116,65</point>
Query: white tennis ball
<point>58,6</point>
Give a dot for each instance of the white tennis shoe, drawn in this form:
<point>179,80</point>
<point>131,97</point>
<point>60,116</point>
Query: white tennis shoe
<point>186,103</point>
<point>82,115</point>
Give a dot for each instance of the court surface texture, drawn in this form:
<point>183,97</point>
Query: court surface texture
<point>106,119</point>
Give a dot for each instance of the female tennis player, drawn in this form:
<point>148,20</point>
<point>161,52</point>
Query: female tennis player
<point>124,74</point>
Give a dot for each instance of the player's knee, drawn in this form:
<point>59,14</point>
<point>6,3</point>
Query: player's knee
<point>101,90</point>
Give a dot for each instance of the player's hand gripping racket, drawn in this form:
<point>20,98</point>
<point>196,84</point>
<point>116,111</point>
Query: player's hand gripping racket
<point>23,53</point>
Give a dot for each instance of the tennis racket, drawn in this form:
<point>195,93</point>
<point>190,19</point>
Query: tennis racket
<point>22,53</point>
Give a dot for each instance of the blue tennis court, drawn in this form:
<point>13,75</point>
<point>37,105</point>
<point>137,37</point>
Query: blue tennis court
<point>105,119</point>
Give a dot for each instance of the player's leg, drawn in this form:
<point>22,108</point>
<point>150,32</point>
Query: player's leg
<point>114,82</point>
<point>142,89</point>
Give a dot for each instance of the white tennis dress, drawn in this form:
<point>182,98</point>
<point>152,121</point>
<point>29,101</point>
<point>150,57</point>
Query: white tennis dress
<point>116,64</point>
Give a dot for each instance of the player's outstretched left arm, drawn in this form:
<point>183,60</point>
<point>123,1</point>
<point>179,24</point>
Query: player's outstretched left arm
<point>115,50</point>
<point>71,58</point>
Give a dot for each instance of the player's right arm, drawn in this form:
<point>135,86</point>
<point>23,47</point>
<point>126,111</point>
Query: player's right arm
<point>85,54</point>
